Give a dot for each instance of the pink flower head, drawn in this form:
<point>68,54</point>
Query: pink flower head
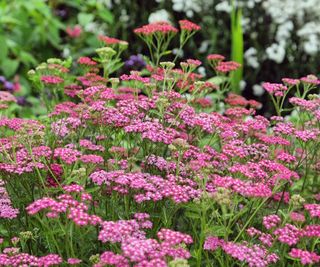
<point>215,57</point>
<point>7,97</point>
<point>313,209</point>
<point>188,25</point>
<point>227,66</point>
<point>93,159</point>
<point>111,41</point>
<point>156,28</point>
<point>51,79</point>
<point>276,89</point>
<point>271,221</point>
<point>194,62</point>
<point>310,79</point>
<point>290,81</point>
<point>74,32</point>
<point>289,234</point>
<point>74,261</point>
<point>86,61</point>
<point>305,256</point>
<point>297,217</point>
<point>212,243</point>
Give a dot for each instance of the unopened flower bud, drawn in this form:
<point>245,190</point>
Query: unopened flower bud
<point>26,235</point>
<point>180,143</point>
<point>15,240</point>
<point>179,263</point>
<point>54,61</point>
<point>114,81</point>
<point>222,196</point>
<point>94,259</point>
<point>167,65</point>
<point>31,72</point>
<point>123,44</point>
<point>313,96</point>
<point>297,201</point>
<point>42,66</point>
<point>106,52</point>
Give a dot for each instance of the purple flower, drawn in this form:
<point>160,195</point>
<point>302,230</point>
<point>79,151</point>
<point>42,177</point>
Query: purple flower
<point>135,62</point>
<point>8,86</point>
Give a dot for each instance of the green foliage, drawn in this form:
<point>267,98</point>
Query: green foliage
<point>26,27</point>
<point>236,46</point>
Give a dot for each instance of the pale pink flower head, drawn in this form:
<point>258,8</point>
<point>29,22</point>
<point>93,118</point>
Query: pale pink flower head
<point>297,217</point>
<point>290,82</point>
<point>194,62</point>
<point>215,57</point>
<point>310,79</point>
<point>109,41</point>
<point>74,261</point>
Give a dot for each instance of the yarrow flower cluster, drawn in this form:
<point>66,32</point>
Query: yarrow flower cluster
<point>130,170</point>
<point>6,209</point>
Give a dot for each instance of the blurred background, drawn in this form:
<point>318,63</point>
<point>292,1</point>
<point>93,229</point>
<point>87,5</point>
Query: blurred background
<point>271,38</point>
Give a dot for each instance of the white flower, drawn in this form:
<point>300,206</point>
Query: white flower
<point>312,45</point>
<point>224,6</point>
<point>258,90</point>
<point>284,31</point>
<point>65,52</point>
<point>242,85</point>
<point>310,33</point>
<point>251,58</point>
<point>202,71</point>
<point>91,27</point>
<point>159,15</point>
<point>204,46</point>
<point>124,17</point>
<point>187,6</point>
<point>276,52</point>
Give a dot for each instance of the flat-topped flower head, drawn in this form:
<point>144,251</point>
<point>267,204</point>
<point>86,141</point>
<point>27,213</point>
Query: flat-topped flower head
<point>227,66</point>
<point>215,57</point>
<point>194,62</point>
<point>86,61</point>
<point>188,25</point>
<point>106,52</point>
<point>276,89</point>
<point>110,41</point>
<point>306,257</point>
<point>290,82</point>
<point>310,79</point>
<point>7,97</point>
<point>51,79</point>
<point>74,32</point>
<point>156,28</point>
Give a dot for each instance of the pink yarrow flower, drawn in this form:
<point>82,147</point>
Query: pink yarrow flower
<point>188,25</point>
<point>74,31</point>
<point>51,79</point>
<point>305,256</point>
